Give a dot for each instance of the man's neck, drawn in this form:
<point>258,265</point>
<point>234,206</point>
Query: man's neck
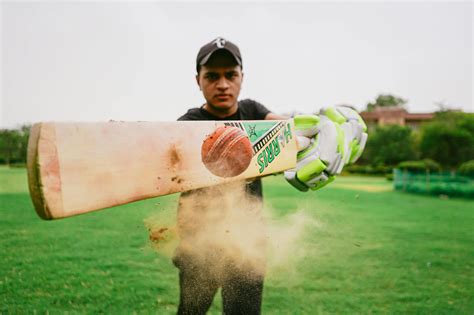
<point>221,113</point>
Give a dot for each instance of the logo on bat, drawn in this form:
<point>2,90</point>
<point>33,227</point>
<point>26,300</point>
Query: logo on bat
<point>273,148</point>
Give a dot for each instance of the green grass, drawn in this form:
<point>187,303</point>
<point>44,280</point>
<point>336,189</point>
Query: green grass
<point>366,249</point>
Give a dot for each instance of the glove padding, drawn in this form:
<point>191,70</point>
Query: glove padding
<point>354,127</point>
<point>326,143</point>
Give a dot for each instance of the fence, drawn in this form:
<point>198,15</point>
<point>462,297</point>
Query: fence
<point>443,183</point>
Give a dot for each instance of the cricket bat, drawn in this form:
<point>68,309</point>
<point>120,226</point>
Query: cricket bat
<point>75,168</point>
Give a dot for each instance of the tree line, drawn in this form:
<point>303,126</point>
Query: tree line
<point>14,145</point>
<point>447,140</point>
<point>444,143</point>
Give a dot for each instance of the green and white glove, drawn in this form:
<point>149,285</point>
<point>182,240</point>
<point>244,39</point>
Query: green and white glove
<point>327,142</point>
<point>354,127</point>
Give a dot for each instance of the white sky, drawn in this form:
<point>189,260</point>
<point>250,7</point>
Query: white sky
<point>93,61</point>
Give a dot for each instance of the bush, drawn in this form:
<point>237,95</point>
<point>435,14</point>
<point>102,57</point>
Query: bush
<point>449,138</point>
<point>389,145</point>
<point>467,168</point>
<point>420,166</point>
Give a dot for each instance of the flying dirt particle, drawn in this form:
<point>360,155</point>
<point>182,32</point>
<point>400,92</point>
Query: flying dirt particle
<point>157,235</point>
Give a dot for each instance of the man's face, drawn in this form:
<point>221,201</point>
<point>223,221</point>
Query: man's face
<point>220,81</point>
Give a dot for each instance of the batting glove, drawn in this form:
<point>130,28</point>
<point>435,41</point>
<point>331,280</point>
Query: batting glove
<point>354,127</point>
<point>326,143</point>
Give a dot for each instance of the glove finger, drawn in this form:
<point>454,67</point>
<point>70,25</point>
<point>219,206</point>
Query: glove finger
<point>310,170</point>
<point>333,114</point>
<point>310,132</point>
<point>302,143</point>
<point>328,140</point>
<point>317,180</point>
<point>347,112</point>
<point>339,167</point>
<point>336,164</point>
<point>359,149</point>
<point>352,116</point>
<point>348,136</point>
<point>321,182</point>
<point>290,176</point>
<point>357,130</point>
<point>306,125</point>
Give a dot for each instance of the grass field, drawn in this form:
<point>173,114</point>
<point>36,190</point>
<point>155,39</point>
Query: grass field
<point>368,250</point>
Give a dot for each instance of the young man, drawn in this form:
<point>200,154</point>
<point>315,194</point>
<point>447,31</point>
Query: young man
<point>222,239</point>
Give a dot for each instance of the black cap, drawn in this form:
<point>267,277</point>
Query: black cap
<point>219,43</point>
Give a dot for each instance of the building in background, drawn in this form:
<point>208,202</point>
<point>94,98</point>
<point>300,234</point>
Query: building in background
<point>395,115</point>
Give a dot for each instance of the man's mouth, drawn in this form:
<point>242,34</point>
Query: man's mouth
<point>223,96</point>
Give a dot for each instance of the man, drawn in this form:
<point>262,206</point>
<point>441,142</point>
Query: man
<point>222,237</point>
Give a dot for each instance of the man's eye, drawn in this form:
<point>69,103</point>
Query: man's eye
<point>230,75</point>
<point>212,76</point>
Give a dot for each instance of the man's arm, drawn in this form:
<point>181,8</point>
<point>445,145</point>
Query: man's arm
<point>273,116</point>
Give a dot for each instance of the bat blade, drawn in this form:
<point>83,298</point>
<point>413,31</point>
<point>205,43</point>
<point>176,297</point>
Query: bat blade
<point>75,168</point>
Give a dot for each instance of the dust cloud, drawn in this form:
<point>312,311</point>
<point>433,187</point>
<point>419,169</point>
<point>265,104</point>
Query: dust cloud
<point>222,225</point>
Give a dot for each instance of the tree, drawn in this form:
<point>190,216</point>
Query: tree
<point>449,138</point>
<point>10,144</point>
<point>386,100</point>
<point>25,134</point>
<point>14,144</point>
<point>390,145</point>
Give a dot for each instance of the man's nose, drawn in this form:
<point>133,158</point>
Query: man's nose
<point>222,83</point>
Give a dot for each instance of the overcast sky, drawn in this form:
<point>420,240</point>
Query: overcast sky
<point>97,61</point>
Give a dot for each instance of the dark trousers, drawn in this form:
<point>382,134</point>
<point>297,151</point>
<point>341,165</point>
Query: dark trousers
<point>241,289</point>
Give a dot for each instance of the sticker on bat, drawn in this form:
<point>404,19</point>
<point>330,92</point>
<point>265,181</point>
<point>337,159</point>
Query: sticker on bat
<point>278,138</point>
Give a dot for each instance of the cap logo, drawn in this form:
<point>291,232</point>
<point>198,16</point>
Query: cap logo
<point>220,42</point>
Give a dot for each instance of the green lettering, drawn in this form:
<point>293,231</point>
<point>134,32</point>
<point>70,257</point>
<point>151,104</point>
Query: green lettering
<point>287,132</point>
<point>270,155</point>
<point>276,147</point>
<point>265,157</point>
<point>260,163</point>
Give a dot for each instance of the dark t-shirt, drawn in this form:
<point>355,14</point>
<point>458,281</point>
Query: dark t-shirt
<point>247,110</point>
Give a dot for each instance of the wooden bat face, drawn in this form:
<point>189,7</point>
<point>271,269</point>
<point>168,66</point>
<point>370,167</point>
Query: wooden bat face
<point>75,168</point>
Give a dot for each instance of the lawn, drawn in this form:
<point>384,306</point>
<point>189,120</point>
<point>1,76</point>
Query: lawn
<point>354,247</point>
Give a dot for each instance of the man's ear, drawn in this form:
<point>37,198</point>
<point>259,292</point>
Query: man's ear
<point>197,81</point>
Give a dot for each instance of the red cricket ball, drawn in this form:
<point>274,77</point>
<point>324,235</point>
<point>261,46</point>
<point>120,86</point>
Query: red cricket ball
<point>227,152</point>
